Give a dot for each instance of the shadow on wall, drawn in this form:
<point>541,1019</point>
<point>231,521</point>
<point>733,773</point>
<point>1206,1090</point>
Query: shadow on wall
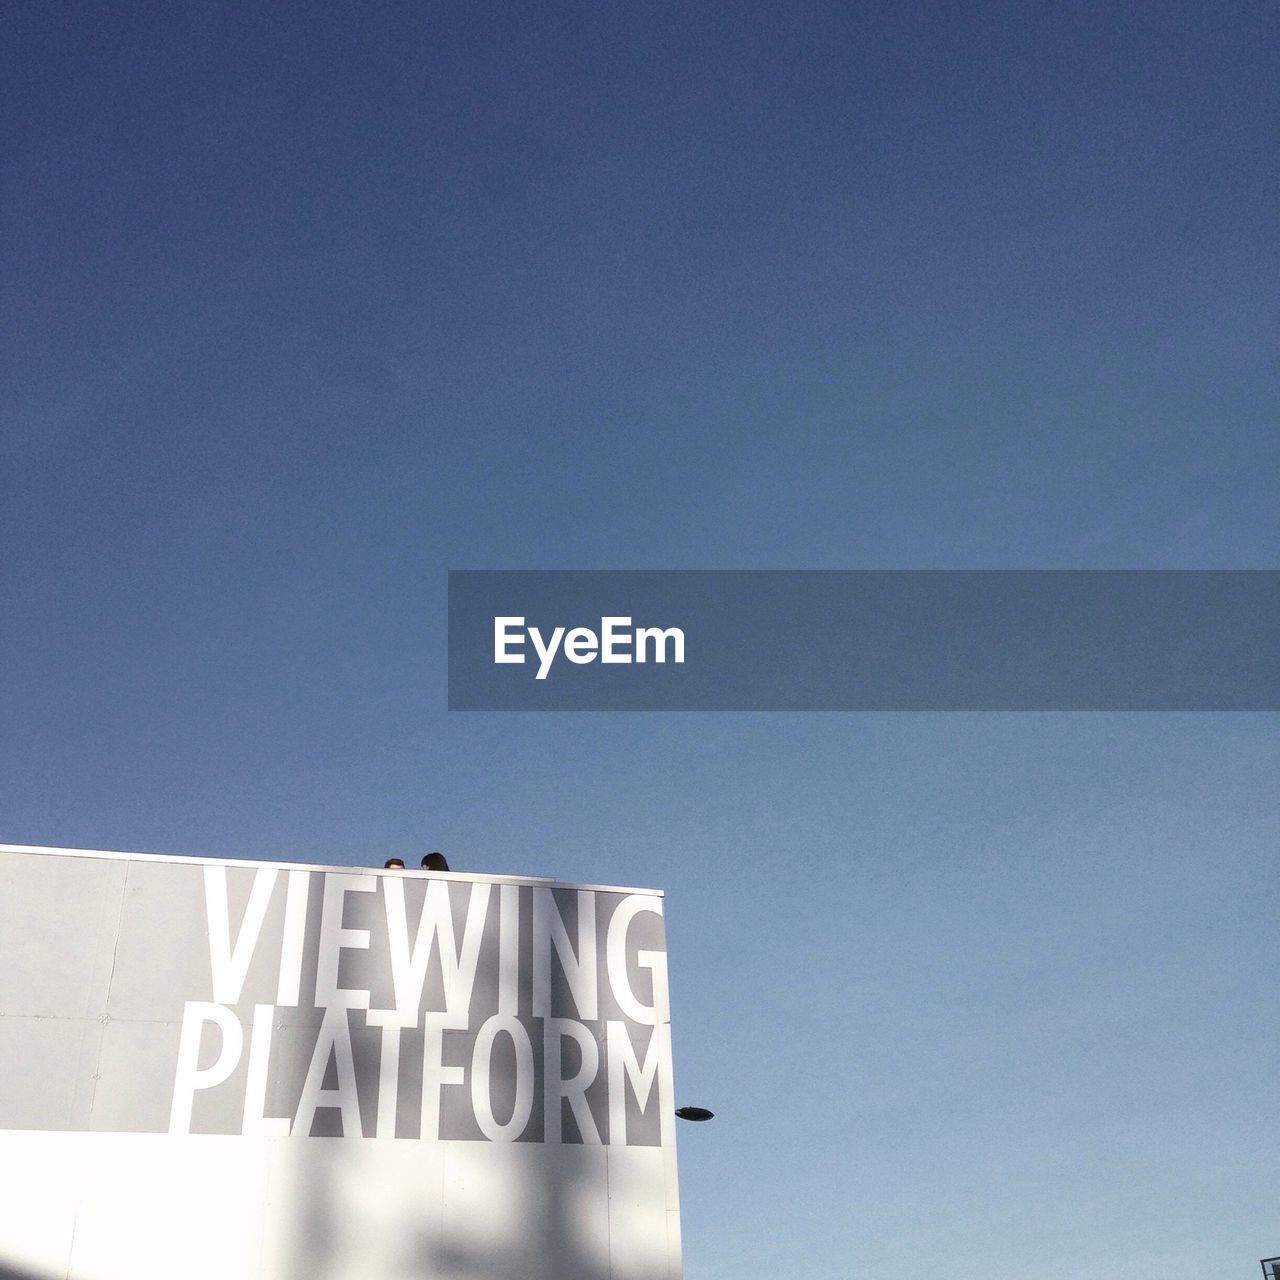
<point>385,1209</point>
<point>9,1271</point>
<point>505,1216</point>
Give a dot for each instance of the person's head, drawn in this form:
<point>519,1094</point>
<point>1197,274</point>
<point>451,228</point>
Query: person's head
<point>434,861</point>
<point>394,864</point>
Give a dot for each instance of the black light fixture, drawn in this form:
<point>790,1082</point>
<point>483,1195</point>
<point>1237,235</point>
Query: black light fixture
<point>1271,1268</point>
<point>701,1113</point>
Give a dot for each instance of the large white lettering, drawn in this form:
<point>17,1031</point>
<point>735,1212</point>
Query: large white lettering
<point>435,923</point>
<point>335,938</point>
<point>189,1078</point>
<point>494,1000</point>
<point>578,967</point>
<point>574,1089</point>
<point>332,1044</point>
<point>230,964</point>
<point>482,1079</point>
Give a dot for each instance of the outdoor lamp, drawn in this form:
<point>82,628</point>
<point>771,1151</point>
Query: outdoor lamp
<point>701,1113</point>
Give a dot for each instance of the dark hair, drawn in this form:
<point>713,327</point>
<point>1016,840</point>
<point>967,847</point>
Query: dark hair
<point>394,862</point>
<point>435,861</point>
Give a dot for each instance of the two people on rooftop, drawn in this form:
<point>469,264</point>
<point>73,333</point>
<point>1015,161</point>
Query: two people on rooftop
<point>434,861</point>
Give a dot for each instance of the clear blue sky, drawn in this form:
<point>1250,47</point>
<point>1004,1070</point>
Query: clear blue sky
<point>305,304</point>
